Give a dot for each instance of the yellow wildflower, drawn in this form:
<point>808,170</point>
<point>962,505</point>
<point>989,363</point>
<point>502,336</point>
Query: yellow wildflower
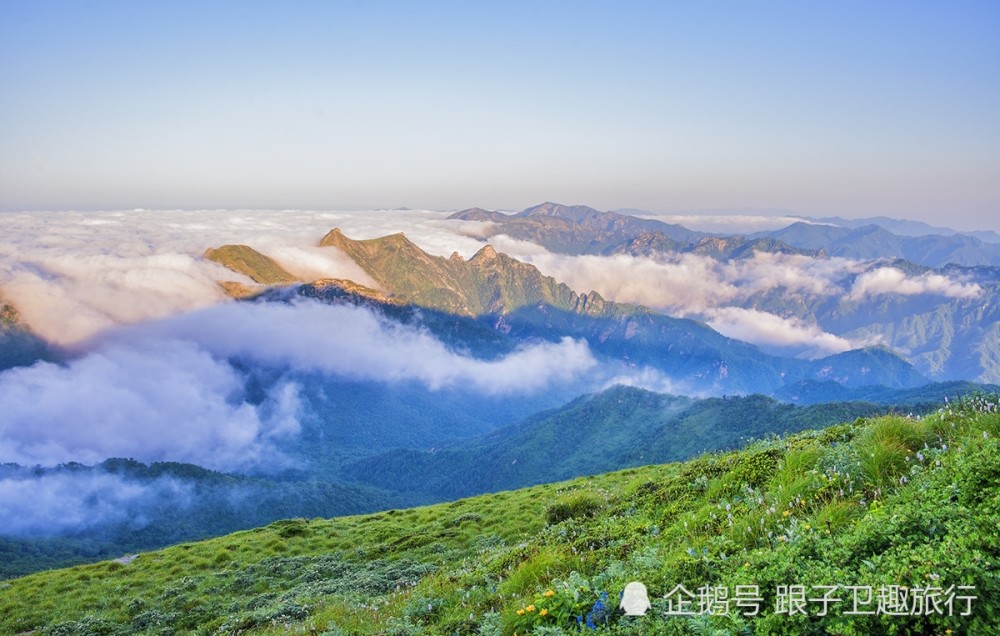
<point>530,608</point>
<point>808,527</point>
<point>543,612</point>
<point>548,593</point>
<point>786,513</point>
<point>520,612</point>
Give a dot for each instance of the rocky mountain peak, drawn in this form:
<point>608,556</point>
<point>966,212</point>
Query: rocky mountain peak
<point>485,254</point>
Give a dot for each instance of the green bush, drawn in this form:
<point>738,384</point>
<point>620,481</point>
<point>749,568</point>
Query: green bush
<point>578,505</point>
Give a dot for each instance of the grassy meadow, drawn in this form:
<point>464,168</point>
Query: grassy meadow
<point>907,507</point>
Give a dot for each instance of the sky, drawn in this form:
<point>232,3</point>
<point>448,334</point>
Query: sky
<point>847,108</point>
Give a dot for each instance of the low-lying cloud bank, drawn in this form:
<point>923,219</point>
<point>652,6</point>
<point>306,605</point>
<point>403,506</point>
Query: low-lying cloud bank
<point>167,390</point>
<point>725,294</point>
<point>58,502</point>
<point>354,342</point>
<point>155,400</point>
<point>75,274</point>
<point>765,328</point>
<point>890,280</point>
<point>685,284</point>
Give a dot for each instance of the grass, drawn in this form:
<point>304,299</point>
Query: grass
<point>880,502</point>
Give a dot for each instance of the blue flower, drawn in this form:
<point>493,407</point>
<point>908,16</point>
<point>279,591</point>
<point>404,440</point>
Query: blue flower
<point>598,612</point>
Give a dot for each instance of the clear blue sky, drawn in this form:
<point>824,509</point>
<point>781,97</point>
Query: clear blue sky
<point>851,108</point>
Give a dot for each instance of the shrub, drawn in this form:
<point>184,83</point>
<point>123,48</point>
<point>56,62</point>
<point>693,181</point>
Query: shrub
<point>577,505</point>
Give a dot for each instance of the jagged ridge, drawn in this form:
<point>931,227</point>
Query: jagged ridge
<point>489,283</point>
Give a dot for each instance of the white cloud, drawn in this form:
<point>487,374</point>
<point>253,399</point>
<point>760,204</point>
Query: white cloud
<point>353,342</point>
<point>770,330</point>
<point>67,298</point>
<point>159,399</point>
<point>310,263</point>
<point>890,280</point>
<point>653,380</point>
<point>684,284</point>
<point>75,274</point>
<point>166,391</point>
<point>58,502</point>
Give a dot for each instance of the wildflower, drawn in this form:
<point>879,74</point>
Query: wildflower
<point>520,612</point>
<point>530,608</point>
<point>543,612</point>
<point>808,527</point>
<point>549,593</point>
<point>786,513</point>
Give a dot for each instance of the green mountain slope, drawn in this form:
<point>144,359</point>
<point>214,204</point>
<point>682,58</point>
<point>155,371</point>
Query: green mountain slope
<point>169,503</point>
<point>920,397</point>
<point>875,504</point>
<point>251,263</point>
<point>611,430</point>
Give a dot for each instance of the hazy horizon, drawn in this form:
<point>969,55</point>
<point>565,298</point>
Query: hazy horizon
<point>850,109</point>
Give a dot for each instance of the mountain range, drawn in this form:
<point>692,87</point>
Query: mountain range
<point>364,445</point>
<point>946,335</point>
<point>870,242</point>
<point>903,227</point>
<point>582,230</point>
<point>494,291</point>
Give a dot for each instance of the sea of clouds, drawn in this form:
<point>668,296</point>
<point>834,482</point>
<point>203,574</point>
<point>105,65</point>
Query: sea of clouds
<point>153,341</point>
<point>716,292</point>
